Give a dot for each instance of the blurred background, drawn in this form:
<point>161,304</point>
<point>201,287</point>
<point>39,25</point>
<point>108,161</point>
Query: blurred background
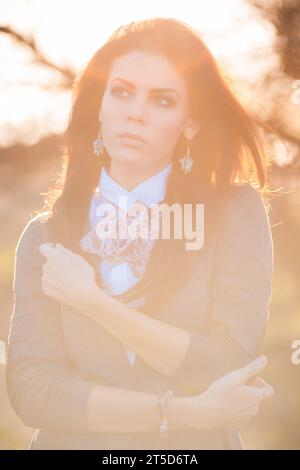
<point>44,44</point>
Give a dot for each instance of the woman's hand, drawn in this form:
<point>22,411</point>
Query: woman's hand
<point>67,277</point>
<point>229,402</point>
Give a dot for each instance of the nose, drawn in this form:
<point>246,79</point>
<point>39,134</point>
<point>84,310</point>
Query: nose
<point>137,111</point>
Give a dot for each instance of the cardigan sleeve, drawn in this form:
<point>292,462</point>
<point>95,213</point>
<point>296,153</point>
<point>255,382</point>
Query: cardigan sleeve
<point>42,387</point>
<point>241,290</point>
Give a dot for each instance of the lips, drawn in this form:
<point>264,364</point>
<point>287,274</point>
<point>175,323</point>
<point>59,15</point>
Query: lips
<point>129,135</point>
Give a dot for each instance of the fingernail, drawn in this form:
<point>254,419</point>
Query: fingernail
<point>262,359</point>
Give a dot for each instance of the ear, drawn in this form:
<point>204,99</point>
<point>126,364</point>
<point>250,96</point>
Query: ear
<point>192,128</point>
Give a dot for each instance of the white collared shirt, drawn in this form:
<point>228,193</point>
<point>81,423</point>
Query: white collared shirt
<point>118,278</point>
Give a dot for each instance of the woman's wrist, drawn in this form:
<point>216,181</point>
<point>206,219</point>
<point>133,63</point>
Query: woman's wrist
<point>206,412</point>
<point>191,412</point>
<point>179,412</point>
<point>92,300</point>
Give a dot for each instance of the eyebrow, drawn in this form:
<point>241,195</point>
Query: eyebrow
<point>156,90</point>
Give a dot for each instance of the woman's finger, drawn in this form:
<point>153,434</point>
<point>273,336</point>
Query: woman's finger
<point>259,382</point>
<point>246,407</point>
<point>49,290</point>
<point>49,277</point>
<point>241,421</point>
<point>259,393</point>
<point>46,277</point>
<point>240,376</point>
<point>49,269</point>
<point>63,249</point>
<point>251,369</point>
<point>59,247</point>
<point>240,413</point>
<point>47,250</point>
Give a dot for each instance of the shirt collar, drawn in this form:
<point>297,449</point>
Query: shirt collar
<point>150,191</point>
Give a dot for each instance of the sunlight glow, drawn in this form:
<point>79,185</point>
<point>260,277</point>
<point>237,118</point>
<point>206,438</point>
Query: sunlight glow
<point>68,33</point>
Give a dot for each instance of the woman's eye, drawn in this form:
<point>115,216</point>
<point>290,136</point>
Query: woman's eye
<point>163,100</point>
<point>118,91</point>
<point>167,101</point>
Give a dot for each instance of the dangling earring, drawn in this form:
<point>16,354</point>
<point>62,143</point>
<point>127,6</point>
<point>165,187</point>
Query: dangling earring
<point>186,161</point>
<point>98,145</point>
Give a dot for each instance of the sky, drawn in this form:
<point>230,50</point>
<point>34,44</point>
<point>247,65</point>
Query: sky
<point>69,32</point>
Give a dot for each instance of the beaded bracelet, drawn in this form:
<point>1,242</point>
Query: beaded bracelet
<point>162,402</point>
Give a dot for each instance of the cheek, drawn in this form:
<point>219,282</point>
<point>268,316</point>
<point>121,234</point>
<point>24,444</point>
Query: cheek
<point>168,130</point>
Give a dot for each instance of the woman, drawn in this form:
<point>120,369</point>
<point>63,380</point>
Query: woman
<point>100,328</point>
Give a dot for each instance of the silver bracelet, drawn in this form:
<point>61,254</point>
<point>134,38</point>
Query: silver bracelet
<point>162,402</point>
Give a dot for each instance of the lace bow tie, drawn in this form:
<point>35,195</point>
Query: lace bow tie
<point>134,251</point>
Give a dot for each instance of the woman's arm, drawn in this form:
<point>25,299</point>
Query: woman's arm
<point>228,402</point>
<point>43,389</point>
<point>239,302</point>
<point>161,345</point>
<point>240,295</point>
<point>241,291</point>
<point>121,410</point>
<point>46,393</point>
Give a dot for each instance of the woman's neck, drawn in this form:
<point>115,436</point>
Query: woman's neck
<point>128,178</point>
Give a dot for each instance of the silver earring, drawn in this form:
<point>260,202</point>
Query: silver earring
<point>186,161</point>
<point>98,145</point>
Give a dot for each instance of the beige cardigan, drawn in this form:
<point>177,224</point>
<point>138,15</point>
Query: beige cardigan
<point>56,356</point>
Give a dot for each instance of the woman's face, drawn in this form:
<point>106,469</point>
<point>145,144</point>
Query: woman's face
<point>144,95</point>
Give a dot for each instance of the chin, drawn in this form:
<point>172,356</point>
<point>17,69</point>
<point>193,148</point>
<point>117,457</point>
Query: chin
<point>131,157</point>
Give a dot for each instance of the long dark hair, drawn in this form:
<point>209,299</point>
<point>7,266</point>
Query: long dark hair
<point>227,150</point>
